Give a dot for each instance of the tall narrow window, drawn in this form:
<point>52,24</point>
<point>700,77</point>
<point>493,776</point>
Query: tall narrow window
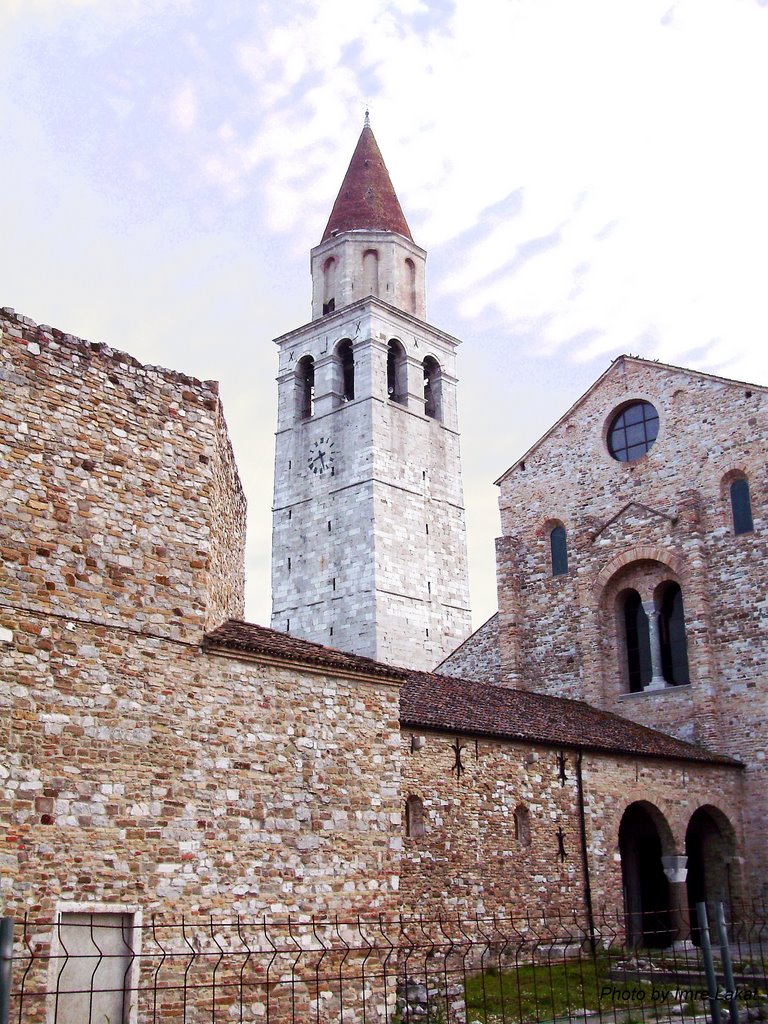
<point>433,390</point>
<point>329,285</point>
<point>674,647</point>
<point>305,387</point>
<point>522,825</point>
<point>414,817</point>
<point>410,285</point>
<point>396,372</point>
<point>558,544</point>
<point>347,369</point>
<point>638,642</point>
<point>741,507</point>
<point>370,272</point>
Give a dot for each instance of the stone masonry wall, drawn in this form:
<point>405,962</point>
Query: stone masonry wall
<point>470,858</point>
<point>478,657</point>
<point>120,498</point>
<point>664,517</point>
<point>142,771</point>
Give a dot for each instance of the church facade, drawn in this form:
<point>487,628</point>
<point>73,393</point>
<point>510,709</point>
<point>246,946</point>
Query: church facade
<point>162,755</point>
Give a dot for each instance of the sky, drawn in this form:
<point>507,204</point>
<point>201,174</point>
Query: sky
<point>589,179</point>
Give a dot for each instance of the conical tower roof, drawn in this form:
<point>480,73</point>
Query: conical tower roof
<point>366,199</point>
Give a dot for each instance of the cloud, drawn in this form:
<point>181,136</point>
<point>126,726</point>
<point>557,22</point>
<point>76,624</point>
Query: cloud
<point>183,108</point>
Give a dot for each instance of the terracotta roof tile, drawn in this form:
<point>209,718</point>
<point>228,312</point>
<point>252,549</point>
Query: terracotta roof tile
<point>458,705</point>
<point>367,199</point>
<point>234,635</point>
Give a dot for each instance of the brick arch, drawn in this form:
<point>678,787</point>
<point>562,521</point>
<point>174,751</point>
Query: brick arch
<point>661,809</point>
<point>639,553</point>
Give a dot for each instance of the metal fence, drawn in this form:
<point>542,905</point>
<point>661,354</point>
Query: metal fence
<point>112,968</point>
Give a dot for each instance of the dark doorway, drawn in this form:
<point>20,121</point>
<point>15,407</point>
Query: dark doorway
<point>646,890</point>
<point>709,848</point>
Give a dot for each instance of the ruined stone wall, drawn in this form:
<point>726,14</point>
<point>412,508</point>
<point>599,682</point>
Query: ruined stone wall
<point>472,858</point>
<point>120,499</point>
<point>147,772</point>
<point>664,517</point>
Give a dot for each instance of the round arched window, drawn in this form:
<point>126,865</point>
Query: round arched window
<point>633,431</point>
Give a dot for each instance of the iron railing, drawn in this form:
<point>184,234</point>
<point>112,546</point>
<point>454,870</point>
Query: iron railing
<point>451,969</point>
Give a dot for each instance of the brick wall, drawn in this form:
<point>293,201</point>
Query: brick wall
<point>664,517</point>
<point>469,857</point>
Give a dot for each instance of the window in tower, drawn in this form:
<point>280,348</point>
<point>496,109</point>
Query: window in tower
<point>397,385</point>
<point>370,272</point>
<point>305,388</point>
<point>741,506</point>
<point>329,285</point>
<point>410,285</point>
<point>346,369</point>
<point>433,388</point>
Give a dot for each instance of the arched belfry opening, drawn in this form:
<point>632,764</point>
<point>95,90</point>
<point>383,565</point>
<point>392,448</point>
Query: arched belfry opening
<point>397,380</point>
<point>433,388</point>
<point>305,388</point>
<point>346,370</point>
<point>710,848</point>
<point>644,837</point>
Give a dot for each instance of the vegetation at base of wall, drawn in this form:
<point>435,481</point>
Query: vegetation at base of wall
<point>543,992</point>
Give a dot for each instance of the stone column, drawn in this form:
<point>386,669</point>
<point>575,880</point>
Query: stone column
<point>657,677</point>
<point>676,870</point>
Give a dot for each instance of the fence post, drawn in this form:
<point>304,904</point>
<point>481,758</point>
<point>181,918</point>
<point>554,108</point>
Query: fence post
<point>709,963</point>
<point>6,955</point>
<point>725,953</point>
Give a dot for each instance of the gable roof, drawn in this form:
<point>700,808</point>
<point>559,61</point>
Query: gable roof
<point>367,199</point>
<point>451,704</point>
<point>617,363</point>
<point>433,701</point>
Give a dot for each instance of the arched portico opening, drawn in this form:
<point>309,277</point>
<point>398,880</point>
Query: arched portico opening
<point>710,848</point>
<point>644,837</point>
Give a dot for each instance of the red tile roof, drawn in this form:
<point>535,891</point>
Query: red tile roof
<point>367,198</point>
<point>460,706</point>
<point>447,703</point>
<point>234,635</point>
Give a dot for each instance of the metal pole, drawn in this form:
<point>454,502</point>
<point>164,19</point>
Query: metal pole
<point>6,957</point>
<point>709,964</point>
<point>725,953</point>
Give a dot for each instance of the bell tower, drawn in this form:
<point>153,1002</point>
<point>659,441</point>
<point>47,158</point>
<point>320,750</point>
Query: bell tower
<point>368,541</point>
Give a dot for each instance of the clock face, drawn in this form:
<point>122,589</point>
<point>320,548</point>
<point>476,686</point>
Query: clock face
<point>321,455</point>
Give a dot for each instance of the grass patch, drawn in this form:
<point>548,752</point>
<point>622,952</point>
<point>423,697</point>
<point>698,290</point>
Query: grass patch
<point>542,991</point>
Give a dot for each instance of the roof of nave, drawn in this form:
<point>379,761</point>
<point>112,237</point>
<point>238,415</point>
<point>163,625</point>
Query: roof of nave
<point>448,703</point>
<point>617,365</point>
<point>367,199</point>
<point>433,701</point>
